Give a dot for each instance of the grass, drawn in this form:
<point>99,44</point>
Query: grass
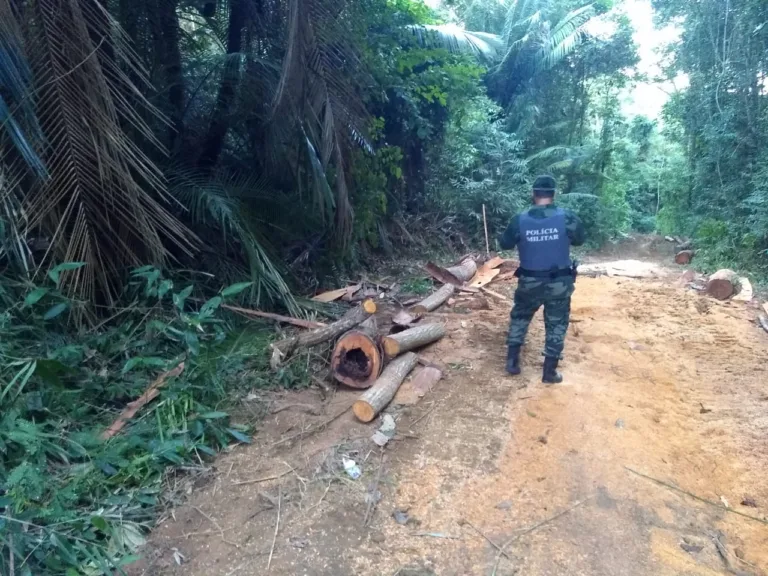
<point>70,502</point>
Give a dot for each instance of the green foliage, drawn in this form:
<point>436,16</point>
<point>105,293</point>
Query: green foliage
<point>720,122</point>
<point>72,502</point>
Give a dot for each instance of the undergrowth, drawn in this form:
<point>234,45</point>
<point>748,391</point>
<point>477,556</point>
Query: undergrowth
<point>71,502</point>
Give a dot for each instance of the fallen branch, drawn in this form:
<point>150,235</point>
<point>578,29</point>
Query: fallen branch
<point>283,349</point>
<point>491,542</point>
<point>372,502</point>
<point>674,488</point>
<point>133,407</point>
<point>277,526</point>
<point>495,294</point>
<point>276,317</point>
<point>267,479</point>
<point>311,430</point>
<point>533,528</point>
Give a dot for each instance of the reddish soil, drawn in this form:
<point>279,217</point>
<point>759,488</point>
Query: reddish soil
<point>650,459</point>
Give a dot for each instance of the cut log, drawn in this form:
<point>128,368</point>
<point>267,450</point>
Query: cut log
<point>357,359</point>
<point>464,271</point>
<point>412,339</point>
<point>455,275</point>
<point>385,388</point>
<point>746,292</point>
<point>284,348</point>
<point>684,257</point>
<point>434,301</point>
<point>722,284</point>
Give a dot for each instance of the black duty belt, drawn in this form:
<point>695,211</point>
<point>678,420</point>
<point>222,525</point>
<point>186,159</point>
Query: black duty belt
<point>558,273</point>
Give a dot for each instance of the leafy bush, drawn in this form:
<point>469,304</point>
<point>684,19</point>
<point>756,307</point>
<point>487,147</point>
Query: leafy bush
<point>74,503</point>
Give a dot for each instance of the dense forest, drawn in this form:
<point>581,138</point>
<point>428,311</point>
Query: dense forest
<point>161,160</point>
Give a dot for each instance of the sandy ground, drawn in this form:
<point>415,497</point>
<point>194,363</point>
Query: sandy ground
<point>650,459</point>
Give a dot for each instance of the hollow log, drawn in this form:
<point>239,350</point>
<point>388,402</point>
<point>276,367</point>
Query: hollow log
<point>357,359</point>
<point>381,393</point>
<point>412,339</point>
<point>722,284</point>
<point>684,257</point>
<point>433,301</point>
<point>284,348</point>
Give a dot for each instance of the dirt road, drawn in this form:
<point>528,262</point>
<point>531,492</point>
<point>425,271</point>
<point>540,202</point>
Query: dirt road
<point>657,386</point>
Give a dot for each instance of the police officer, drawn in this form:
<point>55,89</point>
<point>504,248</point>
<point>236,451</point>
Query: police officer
<point>543,235</point>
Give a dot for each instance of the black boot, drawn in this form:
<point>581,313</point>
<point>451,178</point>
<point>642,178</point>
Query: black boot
<point>513,360</point>
<point>551,375</point>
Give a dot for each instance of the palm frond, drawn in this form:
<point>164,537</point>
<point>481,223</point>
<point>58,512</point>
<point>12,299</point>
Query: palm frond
<point>319,88</point>
<point>215,204</point>
<point>565,37</point>
<point>550,152</point>
<point>455,39</point>
<point>105,202</point>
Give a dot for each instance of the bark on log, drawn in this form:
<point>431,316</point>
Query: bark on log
<point>385,388</point>
<point>684,257</point>
<point>456,275</point>
<point>464,271</point>
<point>412,339</point>
<point>722,284</point>
<point>284,348</point>
<point>357,359</point>
<point>434,301</point>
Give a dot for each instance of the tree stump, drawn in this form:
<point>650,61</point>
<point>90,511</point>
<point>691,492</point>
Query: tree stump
<point>722,284</point>
<point>412,339</point>
<point>385,388</point>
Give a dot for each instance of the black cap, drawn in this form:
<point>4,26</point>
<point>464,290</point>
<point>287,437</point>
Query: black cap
<point>545,184</point>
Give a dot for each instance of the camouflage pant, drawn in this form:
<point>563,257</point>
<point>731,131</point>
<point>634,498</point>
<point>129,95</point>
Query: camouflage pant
<point>555,296</point>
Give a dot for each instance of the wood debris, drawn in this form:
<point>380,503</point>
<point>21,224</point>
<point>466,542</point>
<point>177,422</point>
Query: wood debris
<point>150,394</point>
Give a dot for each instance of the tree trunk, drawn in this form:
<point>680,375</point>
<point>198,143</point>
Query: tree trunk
<point>412,339</point>
<point>284,348</point>
<point>230,79</point>
<point>434,301</point>
<point>357,359</point>
<point>722,284</point>
<point>385,388</point>
<point>684,257</point>
<point>171,62</point>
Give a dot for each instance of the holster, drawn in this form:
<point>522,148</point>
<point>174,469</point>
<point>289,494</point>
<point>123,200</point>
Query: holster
<point>574,268</point>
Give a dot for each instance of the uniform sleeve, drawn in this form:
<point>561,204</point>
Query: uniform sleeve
<point>575,228</point>
<point>511,235</point>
